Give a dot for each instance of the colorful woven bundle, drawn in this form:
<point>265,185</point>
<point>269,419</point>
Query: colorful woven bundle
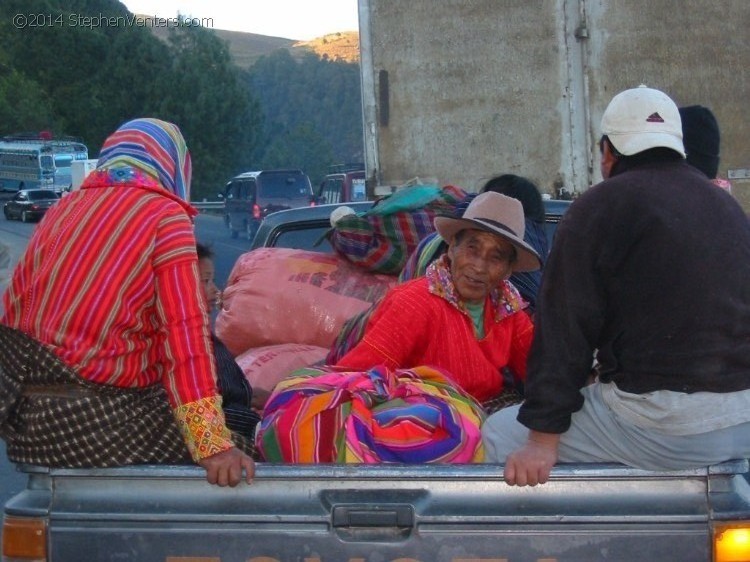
<point>429,249</point>
<point>382,242</point>
<point>405,416</point>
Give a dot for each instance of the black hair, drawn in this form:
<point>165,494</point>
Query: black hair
<point>657,154</point>
<point>204,252</point>
<point>605,140</point>
<point>519,188</point>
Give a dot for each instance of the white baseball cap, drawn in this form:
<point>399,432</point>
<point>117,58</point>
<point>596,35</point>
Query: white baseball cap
<point>642,118</point>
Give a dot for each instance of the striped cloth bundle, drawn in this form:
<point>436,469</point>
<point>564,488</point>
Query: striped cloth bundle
<point>153,146</point>
<point>382,239</point>
<point>319,415</point>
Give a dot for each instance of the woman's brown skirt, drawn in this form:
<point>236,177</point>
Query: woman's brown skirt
<point>50,416</point>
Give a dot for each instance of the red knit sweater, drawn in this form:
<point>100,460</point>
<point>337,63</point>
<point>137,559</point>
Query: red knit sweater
<point>413,326</point>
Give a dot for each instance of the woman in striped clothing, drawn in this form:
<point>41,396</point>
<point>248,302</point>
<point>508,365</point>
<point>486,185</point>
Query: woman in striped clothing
<point>108,299</point>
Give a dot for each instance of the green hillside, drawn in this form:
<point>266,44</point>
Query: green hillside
<point>243,101</point>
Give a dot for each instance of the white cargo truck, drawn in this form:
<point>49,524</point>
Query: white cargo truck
<point>79,170</point>
<point>462,91</point>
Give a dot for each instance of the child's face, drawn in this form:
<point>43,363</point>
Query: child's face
<point>210,290</point>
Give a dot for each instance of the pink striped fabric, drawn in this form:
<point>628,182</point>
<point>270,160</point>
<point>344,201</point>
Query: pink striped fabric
<point>109,282</point>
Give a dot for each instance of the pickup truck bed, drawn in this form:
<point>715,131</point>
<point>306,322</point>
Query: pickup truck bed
<point>382,513</point>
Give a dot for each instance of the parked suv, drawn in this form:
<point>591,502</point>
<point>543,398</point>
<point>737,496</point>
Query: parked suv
<point>249,197</point>
<point>343,185</point>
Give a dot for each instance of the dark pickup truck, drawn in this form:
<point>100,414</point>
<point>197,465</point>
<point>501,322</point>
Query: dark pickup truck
<point>378,513</point>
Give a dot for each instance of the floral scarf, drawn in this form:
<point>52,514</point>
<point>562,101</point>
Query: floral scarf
<point>504,299</point>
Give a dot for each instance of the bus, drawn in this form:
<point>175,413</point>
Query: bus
<point>38,162</point>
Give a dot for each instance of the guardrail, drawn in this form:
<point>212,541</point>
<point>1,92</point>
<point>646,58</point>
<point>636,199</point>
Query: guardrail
<point>208,205</point>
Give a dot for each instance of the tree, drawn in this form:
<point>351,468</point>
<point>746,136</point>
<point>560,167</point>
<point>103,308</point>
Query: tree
<point>301,147</point>
<point>85,81</point>
<point>24,106</point>
<point>308,98</point>
<point>208,98</point>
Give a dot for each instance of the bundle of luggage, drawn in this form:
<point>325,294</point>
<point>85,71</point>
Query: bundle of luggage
<point>282,309</point>
<point>291,298</point>
<point>285,310</point>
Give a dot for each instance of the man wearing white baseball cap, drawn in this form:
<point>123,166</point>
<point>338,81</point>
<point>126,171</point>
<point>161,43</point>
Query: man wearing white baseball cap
<point>649,271</point>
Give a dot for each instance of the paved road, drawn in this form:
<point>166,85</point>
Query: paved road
<point>209,230</point>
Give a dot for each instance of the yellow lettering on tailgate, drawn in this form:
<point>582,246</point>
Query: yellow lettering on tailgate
<point>498,560</point>
<point>193,559</point>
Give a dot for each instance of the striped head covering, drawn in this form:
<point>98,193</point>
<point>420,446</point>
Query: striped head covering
<point>155,147</point>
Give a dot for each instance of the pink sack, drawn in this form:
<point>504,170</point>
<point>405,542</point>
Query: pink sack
<point>282,295</point>
<point>264,367</point>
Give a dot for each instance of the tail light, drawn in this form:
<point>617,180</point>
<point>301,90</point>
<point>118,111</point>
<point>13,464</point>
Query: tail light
<point>256,211</point>
<point>24,539</point>
<point>732,541</point>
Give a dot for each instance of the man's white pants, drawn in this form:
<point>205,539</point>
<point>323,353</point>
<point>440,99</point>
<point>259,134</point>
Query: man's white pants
<point>597,434</point>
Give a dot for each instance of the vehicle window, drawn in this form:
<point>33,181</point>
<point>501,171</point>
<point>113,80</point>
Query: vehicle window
<point>358,190</point>
<point>284,185</point>
<point>303,239</point>
<point>332,190</point>
<point>47,163</point>
<point>241,189</point>
<point>63,160</point>
<point>39,195</point>
<point>248,189</point>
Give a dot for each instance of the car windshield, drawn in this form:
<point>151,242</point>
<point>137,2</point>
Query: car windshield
<point>63,160</point>
<point>304,239</point>
<point>285,186</point>
<point>41,194</point>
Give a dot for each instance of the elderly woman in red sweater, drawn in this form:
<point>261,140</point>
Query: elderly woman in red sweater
<point>463,316</point>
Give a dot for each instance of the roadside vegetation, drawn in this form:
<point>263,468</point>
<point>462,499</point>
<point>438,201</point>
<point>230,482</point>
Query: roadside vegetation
<point>85,80</point>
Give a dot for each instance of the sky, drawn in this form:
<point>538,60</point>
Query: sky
<point>291,19</point>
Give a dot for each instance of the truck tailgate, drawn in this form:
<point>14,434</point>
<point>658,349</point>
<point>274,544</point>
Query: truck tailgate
<point>381,513</point>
